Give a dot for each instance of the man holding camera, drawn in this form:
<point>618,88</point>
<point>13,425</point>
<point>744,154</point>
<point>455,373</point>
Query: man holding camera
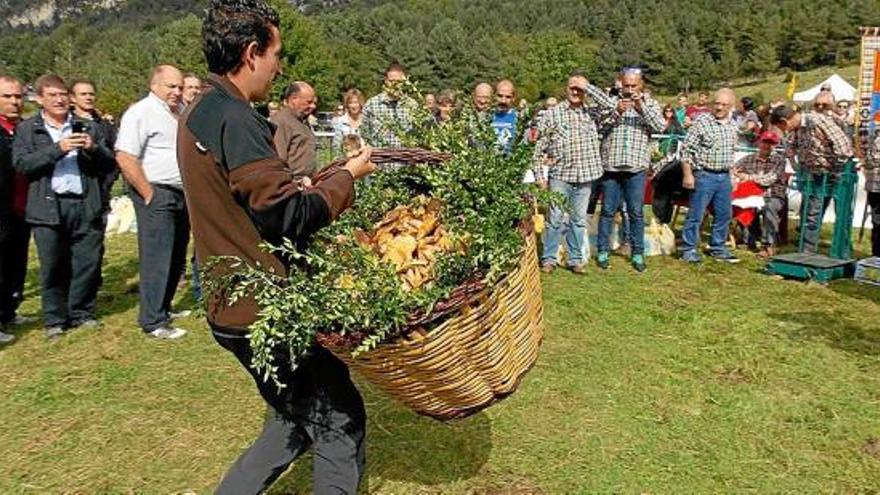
<point>630,119</point>
<point>65,160</point>
<point>146,149</point>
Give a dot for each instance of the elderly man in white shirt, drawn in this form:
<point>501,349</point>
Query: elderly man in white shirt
<point>146,149</point>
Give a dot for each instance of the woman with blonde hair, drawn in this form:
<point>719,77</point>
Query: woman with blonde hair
<point>349,123</point>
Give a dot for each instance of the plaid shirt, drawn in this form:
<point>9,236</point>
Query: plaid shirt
<point>567,136</point>
<point>385,119</point>
<point>769,173</point>
<point>872,165</point>
<point>627,137</point>
<point>710,143</point>
<point>819,144</point>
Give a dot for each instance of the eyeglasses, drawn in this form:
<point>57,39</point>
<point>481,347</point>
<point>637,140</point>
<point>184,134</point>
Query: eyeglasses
<point>631,70</point>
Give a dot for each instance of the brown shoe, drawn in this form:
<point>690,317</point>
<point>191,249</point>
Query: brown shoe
<point>548,267</point>
<point>578,269</point>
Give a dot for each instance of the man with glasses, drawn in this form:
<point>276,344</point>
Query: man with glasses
<point>146,150</point>
<point>630,119</point>
<point>65,160</point>
<point>707,155</point>
<point>567,161</point>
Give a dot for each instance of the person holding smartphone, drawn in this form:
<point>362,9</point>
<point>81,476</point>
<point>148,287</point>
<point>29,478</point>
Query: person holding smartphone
<point>65,159</point>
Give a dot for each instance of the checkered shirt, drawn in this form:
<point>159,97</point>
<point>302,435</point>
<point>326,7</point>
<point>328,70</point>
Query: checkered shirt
<point>769,173</point>
<point>872,165</point>
<point>819,144</point>
<point>568,142</point>
<point>385,119</point>
<point>626,138</point>
<point>710,143</point>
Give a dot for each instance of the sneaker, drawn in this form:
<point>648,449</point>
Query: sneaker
<point>726,258</point>
<point>578,269</point>
<point>22,320</point>
<point>86,324</point>
<point>548,267</point>
<point>169,333</point>
<point>638,262</point>
<point>603,261</point>
<point>691,257</point>
<point>6,338</point>
<point>179,314</point>
<point>54,332</point>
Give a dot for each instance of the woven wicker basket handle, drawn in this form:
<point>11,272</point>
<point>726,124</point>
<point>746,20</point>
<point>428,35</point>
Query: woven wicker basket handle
<point>408,156</point>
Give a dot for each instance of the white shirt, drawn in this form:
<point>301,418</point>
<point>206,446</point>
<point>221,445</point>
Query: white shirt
<point>148,131</point>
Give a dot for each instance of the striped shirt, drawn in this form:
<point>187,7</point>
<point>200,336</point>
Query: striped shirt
<point>568,142</point>
<point>819,144</point>
<point>626,137</point>
<point>710,144</point>
<point>768,173</point>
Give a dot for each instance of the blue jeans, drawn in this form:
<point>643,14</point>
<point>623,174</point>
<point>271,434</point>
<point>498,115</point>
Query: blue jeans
<point>577,195</point>
<point>709,188</point>
<point>629,187</point>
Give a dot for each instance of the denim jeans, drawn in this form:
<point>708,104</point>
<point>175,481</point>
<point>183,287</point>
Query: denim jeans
<point>577,196</point>
<point>714,189</point>
<point>816,209</point>
<point>629,187</point>
<point>163,233</point>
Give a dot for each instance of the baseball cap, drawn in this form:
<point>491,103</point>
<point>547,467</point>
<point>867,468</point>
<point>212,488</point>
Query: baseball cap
<point>769,136</point>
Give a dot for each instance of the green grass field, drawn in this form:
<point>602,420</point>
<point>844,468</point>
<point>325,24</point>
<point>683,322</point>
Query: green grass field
<point>707,379</point>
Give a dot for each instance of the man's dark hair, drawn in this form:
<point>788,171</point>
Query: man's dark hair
<point>578,73</point>
<point>77,82</point>
<point>747,103</point>
<point>230,26</point>
<point>395,67</point>
<point>780,114</point>
<point>49,81</point>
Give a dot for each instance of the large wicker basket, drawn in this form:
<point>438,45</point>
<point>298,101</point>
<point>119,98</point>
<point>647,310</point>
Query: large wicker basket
<point>478,348</point>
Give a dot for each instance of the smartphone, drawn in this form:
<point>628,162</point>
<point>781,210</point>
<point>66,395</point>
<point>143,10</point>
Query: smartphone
<point>78,127</point>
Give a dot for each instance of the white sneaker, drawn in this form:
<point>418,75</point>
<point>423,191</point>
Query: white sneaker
<point>180,314</point>
<point>170,333</point>
<point>6,338</point>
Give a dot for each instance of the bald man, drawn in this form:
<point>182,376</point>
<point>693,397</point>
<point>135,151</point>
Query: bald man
<point>294,140</point>
<point>146,149</point>
<point>504,119</point>
<point>482,98</point>
<point>708,154</point>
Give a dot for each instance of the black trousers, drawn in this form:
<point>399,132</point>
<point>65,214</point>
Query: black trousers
<point>70,264</point>
<point>874,201</point>
<point>163,233</point>
<point>15,235</point>
<point>319,408</point>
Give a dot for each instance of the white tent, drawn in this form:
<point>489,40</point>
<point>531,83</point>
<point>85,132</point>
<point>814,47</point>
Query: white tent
<point>841,90</point>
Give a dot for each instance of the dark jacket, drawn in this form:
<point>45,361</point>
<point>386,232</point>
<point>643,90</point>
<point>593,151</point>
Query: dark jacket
<point>34,154</point>
<point>7,174</point>
<point>240,193</point>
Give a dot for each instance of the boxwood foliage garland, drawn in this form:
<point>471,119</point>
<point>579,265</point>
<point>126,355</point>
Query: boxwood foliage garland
<point>343,290</point>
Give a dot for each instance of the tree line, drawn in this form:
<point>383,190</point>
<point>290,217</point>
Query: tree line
<point>682,45</point>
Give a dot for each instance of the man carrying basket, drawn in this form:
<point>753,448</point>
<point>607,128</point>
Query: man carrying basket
<point>239,194</point>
